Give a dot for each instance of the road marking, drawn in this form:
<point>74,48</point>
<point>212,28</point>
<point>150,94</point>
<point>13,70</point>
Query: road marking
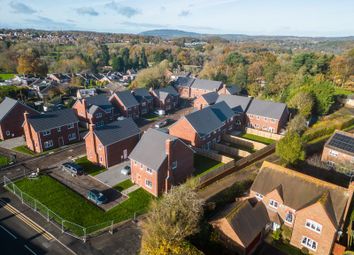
<point>8,231</point>
<point>27,221</point>
<point>28,248</point>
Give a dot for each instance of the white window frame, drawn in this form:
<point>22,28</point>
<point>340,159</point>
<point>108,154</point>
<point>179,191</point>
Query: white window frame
<point>174,164</point>
<point>149,170</point>
<point>48,144</point>
<point>46,132</point>
<point>259,196</point>
<point>72,136</point>
<point>147,183</point>
<point>274,204</point>
<point>70,126</point>
<point>59,129</point>
<point>99,115</point>
<point>314,226</point>
<point>292,217</point>
<point>333,153</point>
<point>308,243</point>
<point>7,133</point>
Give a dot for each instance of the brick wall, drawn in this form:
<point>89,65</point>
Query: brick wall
<point>126,112</point>
<point>329,155</point>
<point>115,152</point>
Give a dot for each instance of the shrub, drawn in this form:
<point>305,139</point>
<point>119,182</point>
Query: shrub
<point>290,148</point>
<point>304,250</point>
<point>276,235</point>
<point>286,233</point>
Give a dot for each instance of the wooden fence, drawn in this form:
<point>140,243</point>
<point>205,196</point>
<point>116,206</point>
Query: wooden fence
<point>265,134</point>
<point>214,155</point>
<point>243,142</point>
<point>231,150</point>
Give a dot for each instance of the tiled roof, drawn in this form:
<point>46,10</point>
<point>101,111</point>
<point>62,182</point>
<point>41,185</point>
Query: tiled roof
<point>238,104</point>
<point>7,104</point>
<point>233,89</point>
<point>210,97</point>
<point>222,111</point>
<point>49,120</point>
<point>127,98</point>
<point>268,109</point>
<point>183,82</point>
<point>142,93</point>
<point>98,100</point>
<point>116,131</point>
<point>206,84</point>
<point>162,93</point>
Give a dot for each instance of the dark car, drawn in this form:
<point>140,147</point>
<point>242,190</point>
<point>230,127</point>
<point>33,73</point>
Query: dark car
<point>72,168</point>
<point>97,197</point>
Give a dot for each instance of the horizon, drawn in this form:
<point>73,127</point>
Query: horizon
<point>254,17</point>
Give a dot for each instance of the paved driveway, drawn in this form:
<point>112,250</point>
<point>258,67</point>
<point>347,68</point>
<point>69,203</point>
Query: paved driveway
<point>112,176</point>
<point>12,143</point>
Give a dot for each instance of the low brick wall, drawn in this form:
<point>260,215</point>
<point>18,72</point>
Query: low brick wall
<point>265,134</point>
<point>214,155</point>
<point>230,150</point>
<point>243,142</point>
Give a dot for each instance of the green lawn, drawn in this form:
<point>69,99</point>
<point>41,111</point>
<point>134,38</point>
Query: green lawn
<point>123,185</point>
<point>89,167</point>
<point>151,116</point>
<point>4,161</point>
<point>257,138</point>
<point>6,76</point>
<point>73,207</point>
<point>204,165</point>
<point>24,149</point>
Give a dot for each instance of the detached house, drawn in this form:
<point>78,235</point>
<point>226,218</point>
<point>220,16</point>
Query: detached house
<point>146,101</point>
<point>339,149</point>
<point>126,103</point>
<point>159,161</point>
<point>111,144</point>
<point>94,110</point>
<point>12,117</point>
<point>50,130</point>
<point>267,116</point>
<point>204,127</point>
<point>313,210</point>
<point>166,98</point>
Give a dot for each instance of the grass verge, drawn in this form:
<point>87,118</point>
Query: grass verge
<point>74,208</point>
<point>24,149</point>
<point>6,76</point>
<point>204,165</point>
<point>89,167</point>
<point>4,161</point>
<point>124,185</point>
<point>257,138</point>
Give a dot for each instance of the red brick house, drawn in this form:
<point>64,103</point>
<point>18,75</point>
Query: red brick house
<point>145,99</point>
<point>112,143</point>
<point>12,118</point>
<point>166,98</point>
<point>183,86</point>
<point>267,116</point>
<point>51,130</point>
<point>159,161</point>
<point>126,103</point>
<point>192,87</point>
<point>94,110</point>
<point>313,210</point>
<point>205,100</point>
<point>339,150</point>
<point>204,127</point>
<point>230,90</point>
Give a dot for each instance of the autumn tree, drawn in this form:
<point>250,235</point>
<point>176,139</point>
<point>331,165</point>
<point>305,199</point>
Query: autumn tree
<point>298,124</point>
<point>30,62</point>
<point>303,102</point>
<point>152,77</point>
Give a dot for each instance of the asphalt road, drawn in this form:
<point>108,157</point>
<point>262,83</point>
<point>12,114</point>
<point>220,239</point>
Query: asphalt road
<point>18,238</point>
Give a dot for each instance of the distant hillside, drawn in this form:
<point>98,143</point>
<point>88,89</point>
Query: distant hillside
<point>173,33</point>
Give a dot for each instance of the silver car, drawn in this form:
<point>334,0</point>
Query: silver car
<point>126,170</point>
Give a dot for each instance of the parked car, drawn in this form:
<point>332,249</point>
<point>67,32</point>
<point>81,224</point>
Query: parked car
<point>125,170</point>
<point>97,197</point>
<point>72,168</point>
<point>160,112</point>
<point>161,124</point>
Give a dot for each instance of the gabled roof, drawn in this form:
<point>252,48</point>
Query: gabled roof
<point>238,104</point>
<point>206,84</point>
<point>162,93</point>
<point>7,104</point>
<point>247,219</point>
<point>300,190</point>
<point>268,109</point>
<point>116,131</point>
<point>233,89</point>
<point>93,109</point>
<point>141,94</point>
<point>342,141</point>
<point>127,98</point>
<point>210,97</point>
<point>183,81</point>
<point>222,111</point>
<point>49,120</point>
<point>151,149</point>
<point>98,100</point>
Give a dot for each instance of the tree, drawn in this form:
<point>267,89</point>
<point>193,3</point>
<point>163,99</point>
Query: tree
<point>124,52</point>
<point>105,54</point>
<point>143,58</point>
<point>153,77</point>
<point>324,94</point>
<point>290,148</point>
<point>297,124</point>
<point>303,102</point>
<point>118,64</point>
<point>135,62</point>
<point>30,62</point>
<point>170,220</point>
<point>235,59</point>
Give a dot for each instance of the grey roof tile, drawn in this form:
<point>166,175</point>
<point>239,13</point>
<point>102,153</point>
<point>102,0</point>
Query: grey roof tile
<point>210,97</point>
<point>206,84</point>
<point>267,108</point>
<point>222,111</point>
<point>127,98</point>
<point>238,104</point>
<point>183,82</point>
<point>7,104</point>
<point>98,100</point>
<point>141,94</point>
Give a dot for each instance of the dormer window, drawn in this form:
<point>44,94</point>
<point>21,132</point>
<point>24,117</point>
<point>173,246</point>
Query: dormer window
<point>273,203</point>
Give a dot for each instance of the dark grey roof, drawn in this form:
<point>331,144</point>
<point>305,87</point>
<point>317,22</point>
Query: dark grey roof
<point>7,104</point>
<point>204,121</point>
<point>206,84</point>
<point>49,120</point>
<point>116,131</point>
<point>342,141</point>
<point>98,100</point>
<point>183,82</point>
<point>299,190</point>
<point>238,104</point>
<point>127,98</point>
<point>163,93</point>
<point>141,94</point>
<point>93,109</point>
<point>151,149</point>
<point>233,89</point>
<point>222,111</point>
<point>266,108</point>
<point>210,97</point>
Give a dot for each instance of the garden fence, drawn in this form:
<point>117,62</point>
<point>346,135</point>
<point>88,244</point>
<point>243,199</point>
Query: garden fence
<point>65,226</point>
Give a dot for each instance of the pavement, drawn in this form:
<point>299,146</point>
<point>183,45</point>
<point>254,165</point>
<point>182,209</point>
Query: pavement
<point>112,175</point>
<point>12,143</point>
<point>131,189</point>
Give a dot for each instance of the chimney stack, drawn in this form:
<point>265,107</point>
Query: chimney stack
<point>224,89</point>
<point>201,107</point>
<point>169,178</point>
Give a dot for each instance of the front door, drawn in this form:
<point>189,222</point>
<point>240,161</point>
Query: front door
<point>125,154</point>
<point>61,141</point>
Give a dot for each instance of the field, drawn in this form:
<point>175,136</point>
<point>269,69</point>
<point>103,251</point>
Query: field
<point>6,76</point>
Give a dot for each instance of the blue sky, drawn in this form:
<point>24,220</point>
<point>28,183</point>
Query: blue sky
<point>253,17</point>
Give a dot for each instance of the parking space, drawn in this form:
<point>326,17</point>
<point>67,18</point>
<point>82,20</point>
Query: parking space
<point>84,183</point>
<point>12,143</point>
<point>112,176</point>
